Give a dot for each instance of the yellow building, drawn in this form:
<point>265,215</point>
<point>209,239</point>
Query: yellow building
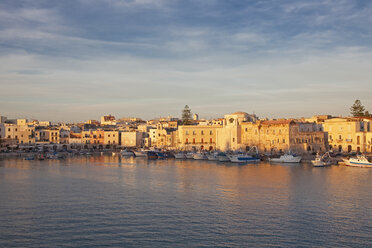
<point>197,137</point>
<point>111,137</point>
<point>349,134</point>
<point>278,136</point>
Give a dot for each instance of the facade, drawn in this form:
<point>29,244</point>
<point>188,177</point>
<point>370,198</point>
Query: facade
<point>111,138</point>
<point>196,137</point>
<point>279,136</point>
<point>131,139</point>
<point>349,134</point>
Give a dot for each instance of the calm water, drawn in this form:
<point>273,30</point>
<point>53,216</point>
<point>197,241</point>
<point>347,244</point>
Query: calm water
<point>110,201</point>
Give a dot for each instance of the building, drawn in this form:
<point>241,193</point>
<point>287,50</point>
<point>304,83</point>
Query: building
<point>278,136</point>
<point>131,139</point>
<point>349,134</point>
<point>229,137</point>
<point>196,137</point>
<point>111,138</point>
<point>108,120</point>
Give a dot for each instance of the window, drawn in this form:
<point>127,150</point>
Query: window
<point>340,137</point>
<point>246,129</point>
<point>187,141</point>
<point>193,132</point>
<point>211,140</point>
<point>202,141</point>
<point>193,141</point>
<point>202,132</point>
<point>211,132</point>
<point>187,132</point>
<point>108,135</point>
<point>233,139</point>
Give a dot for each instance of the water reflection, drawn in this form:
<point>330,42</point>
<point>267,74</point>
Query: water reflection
<point>173,203</point>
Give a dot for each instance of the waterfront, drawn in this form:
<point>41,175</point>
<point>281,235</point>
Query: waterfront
<point>109,200</point>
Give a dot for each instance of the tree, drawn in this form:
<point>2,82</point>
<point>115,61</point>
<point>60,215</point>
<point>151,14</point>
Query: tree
<point>186,115</point>
<point>357,109</point>
<point>367,114</point>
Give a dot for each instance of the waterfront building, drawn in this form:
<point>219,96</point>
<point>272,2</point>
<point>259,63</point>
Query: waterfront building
<point>111,138</point>
<point>75,138</point>
<point>278,136</point>
<point>229,137</point>
<point>346,134</point>
<point>196,137</point>
<point>47,135</point>
<point>131,139</point>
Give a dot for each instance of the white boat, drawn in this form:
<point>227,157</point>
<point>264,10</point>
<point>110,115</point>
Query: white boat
<point>140,153</point>
<point>213,156</point>
<point>190,155</point>
<point>200,156</point>
<point>126,153</point>
<point>359,161</point>
<point>242,158</point>
<point>321,161</point>
<point>286,158</point>
<point>222,157</point>
<point>180,155</point>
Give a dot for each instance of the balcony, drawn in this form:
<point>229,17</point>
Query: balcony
<point>349,140</point>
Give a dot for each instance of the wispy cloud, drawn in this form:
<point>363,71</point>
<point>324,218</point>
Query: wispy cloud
<point>153,57</point>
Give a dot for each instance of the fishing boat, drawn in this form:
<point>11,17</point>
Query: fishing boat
<point>200,156</point>
<point>321,161</point>
<point>286,158</point>
<point>140,153</point>
<point>222,157</point>
<point>180,155</point>
<point>151,155</point>
<point>358,161</point>
<point>242,158</point>
<point>126,153</point>
<point>190,155</point>
<point>213,156</point>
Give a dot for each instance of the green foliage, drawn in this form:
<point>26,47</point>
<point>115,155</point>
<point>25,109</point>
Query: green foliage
<point>186,115</point>
<point>357,109</point>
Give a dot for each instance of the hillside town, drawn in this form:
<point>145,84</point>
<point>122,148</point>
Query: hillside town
<point>235,131</point>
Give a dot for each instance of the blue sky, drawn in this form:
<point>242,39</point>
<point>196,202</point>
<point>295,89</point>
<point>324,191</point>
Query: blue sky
<point>76,60</point>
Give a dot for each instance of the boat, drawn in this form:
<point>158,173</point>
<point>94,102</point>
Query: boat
<point>358,161</point>
<point>140,153</point>
<point>321,161</point>
<point>222,157</point>
<point>190,155</point>
<point>151,155</point>
<point>242,158</point>
<point>126,153</point>
<point>30,158</point>
<point>200,156</point>
<point>286,158</point>
<point>180,155</point>
<point>213,156</point>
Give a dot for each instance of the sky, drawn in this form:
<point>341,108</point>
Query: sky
<point>77,60</point>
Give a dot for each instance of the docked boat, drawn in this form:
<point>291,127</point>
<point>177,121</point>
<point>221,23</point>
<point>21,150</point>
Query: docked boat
<point>321,161</point>
<point>180,155</point>
<point>190,155</point>
<point>151,155</point>
<point>359,161</point>
<point>200,156</point>
<point>213,156</point>
<point>222,157</point>
<point>126,153</point>
<point>140,153</point>
<point>242,158</point>
<point>286,158</point>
